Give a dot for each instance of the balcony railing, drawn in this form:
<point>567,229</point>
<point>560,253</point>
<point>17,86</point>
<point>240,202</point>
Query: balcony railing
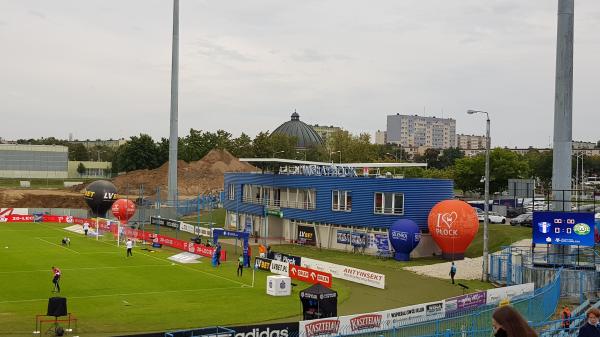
<point>280,203</point>
<point>388,210</point>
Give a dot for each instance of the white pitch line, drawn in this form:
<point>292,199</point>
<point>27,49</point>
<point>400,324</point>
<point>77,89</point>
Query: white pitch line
<point>52,243</point>
<point>127,294</point>
<point>88,268</point>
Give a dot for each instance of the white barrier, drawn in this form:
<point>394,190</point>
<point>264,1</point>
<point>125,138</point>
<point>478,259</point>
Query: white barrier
<point>346,273</point>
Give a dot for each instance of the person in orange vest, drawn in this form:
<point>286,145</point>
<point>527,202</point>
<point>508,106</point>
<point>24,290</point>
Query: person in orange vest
<point>262,251</point>
<point>566,317</point>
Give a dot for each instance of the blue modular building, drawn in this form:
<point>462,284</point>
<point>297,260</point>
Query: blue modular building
<point>327,209</point>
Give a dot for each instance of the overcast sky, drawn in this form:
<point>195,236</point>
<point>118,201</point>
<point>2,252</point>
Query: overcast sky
<point>101,69</point>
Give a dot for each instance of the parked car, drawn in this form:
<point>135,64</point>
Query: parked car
<point>493,216</point>
<point>524,219</point>
<point>513,212</point>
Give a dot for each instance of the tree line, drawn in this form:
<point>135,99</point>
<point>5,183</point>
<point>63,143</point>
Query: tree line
<point>143,152</point>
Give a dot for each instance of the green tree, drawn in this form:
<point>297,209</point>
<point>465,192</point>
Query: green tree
<point>431,157</point>
<point>504,165</point>
<point>449,156</point>
<point>540,167</point>
<point>241,147</point>
<point>353,149</point>
<point>102,153</point>
<point>140,152</point>
<point>591,166</point>
<point>81,169</point>
<point>78,152</point>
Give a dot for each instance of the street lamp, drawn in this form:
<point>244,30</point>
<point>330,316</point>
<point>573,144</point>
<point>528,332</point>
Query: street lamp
<point>486,205</point>
<point>338,151</point>
<point>577,192</point>
<point>300,152</point>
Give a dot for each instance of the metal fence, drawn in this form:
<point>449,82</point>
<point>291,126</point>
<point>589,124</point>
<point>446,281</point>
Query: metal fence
<point>537,308</point>
<point>80,213</point>
<point>518,265</point>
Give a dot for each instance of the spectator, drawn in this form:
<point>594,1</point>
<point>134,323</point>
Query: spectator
<point>590,328</point>
<point>566,317</point>
<point>507,322</point>
<point>452,272</point>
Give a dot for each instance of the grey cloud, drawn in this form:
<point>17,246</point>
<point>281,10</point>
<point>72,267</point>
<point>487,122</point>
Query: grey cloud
<point>312,55</point>
<point>218,51</point>
<point>37,14</point>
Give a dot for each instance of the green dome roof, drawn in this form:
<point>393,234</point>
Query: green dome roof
<point>304,133</point>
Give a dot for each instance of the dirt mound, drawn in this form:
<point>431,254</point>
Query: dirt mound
<point>41,199</point>
<point>200,177</point>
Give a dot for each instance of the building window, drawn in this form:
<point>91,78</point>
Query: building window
<point>341,201</point>
<point>231,192</point>
<point>388,203</point>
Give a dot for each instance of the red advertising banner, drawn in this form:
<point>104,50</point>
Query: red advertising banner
<point>310,275</point>
<point>111,226</point>
<point>16,218</point>
<point>58,218</point>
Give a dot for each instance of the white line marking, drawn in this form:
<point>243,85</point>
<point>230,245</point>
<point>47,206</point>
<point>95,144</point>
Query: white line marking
<point>90,268</point>
<point>52,243</point>
<point>127,294</point>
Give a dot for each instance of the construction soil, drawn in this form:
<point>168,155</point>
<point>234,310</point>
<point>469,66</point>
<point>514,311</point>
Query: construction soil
<point>204,176</point>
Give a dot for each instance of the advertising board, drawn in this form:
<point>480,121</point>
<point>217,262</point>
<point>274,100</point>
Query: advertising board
<point>347,273</point>
<point>373,321</point>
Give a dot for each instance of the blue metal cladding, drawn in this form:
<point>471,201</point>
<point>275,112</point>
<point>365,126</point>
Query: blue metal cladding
<point>420,195</point>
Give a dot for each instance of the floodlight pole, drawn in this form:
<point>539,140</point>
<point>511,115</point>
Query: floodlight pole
<point>173,137</point>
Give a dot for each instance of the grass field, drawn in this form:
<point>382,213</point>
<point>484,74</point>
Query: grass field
<point>110,293</point>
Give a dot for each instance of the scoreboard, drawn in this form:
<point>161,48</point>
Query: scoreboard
<point>563,228</point>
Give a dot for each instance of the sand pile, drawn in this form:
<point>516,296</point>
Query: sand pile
<point>201,177</point>
<point>41,199</point>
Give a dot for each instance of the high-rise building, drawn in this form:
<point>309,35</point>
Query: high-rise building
<point>579,145</point>
<point>380,137</point>
<point>326,132</point>
<point>415,131</point>
<point>114,143</point>
<point>470,142</point>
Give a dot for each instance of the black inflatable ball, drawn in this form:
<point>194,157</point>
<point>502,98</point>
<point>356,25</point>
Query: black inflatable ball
<point>100,196</point>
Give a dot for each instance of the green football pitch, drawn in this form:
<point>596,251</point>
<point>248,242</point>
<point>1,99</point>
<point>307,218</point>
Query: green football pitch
<point>111,294</point>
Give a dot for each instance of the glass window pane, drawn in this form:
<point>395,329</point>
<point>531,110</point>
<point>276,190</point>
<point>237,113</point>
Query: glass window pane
<point>388,202</point>
<point>378,202</point>
<point>398,202</point>
<point>335,202</point>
